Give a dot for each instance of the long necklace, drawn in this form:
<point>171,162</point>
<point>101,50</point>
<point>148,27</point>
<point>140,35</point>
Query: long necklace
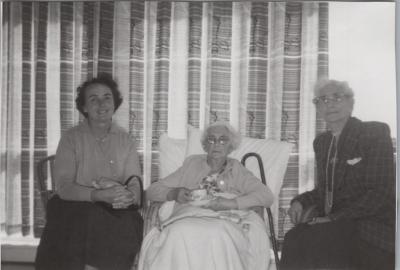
<point>210,181</point>
<point>330,178</point>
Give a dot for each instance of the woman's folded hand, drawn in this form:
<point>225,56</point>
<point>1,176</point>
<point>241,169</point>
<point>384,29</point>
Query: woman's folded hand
<point>104,182</point>
<point>124,199</point>
<point>109,195</point>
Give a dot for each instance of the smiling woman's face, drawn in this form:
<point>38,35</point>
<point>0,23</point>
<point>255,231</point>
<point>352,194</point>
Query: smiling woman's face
<point>218,143</point>
<point>99,103</point>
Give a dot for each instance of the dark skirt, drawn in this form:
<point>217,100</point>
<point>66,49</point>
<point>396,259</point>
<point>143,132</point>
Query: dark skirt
<point>328,245</point>
<point>80,233</point>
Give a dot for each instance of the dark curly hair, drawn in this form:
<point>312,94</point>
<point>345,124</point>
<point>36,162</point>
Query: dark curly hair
<point>104,79</point>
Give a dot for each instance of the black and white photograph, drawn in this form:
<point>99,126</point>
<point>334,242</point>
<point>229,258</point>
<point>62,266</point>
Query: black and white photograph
<point>192,135</point>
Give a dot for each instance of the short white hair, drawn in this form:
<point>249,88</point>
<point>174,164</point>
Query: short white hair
<point>234,137</point>
<point>327,83</point>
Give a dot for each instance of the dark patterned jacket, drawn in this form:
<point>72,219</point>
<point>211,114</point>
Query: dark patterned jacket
<point>364,182</point>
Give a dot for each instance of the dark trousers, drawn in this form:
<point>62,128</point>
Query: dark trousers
<point>80,233</point>
<point>332,245</point>
<point>369,257</point>
<point>320,246</point>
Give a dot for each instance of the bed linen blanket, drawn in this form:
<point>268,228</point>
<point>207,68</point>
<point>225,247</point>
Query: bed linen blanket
<point>190,238</point>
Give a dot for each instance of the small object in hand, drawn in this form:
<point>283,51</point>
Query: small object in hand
<point>198,194</point>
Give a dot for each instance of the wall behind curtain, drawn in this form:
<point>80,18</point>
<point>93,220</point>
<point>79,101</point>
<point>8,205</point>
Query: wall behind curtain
<point>251,63</point>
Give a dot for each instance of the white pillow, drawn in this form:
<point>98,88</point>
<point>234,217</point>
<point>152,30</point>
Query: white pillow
<point>274,154</point>
<point>172,154</point>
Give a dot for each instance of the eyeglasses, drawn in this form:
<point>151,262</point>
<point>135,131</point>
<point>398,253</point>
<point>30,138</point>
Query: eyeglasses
<point>220,140</point>
<point>336,98</point>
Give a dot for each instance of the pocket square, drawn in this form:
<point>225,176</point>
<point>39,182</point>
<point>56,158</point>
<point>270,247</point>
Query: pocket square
<point>354,161</point>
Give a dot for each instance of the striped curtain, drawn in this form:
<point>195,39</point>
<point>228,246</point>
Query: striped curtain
<point>177,63</point>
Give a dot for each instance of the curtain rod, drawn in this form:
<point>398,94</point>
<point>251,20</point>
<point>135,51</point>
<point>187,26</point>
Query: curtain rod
<point>265,1</point>
<point>198,1</point>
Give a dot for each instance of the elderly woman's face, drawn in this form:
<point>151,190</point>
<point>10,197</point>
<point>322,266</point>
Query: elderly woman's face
<point>218,142</point>
<point>99,103</point>
<point>334,105</point>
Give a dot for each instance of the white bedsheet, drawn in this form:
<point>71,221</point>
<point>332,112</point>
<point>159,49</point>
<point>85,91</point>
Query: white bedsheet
<point>191,238</point>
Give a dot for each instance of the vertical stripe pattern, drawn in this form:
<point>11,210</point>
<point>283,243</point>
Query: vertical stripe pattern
<point>177,63</point>
<point>13,154</point>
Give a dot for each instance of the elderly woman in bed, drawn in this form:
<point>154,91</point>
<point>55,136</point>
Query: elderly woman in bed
<point>221,234</point>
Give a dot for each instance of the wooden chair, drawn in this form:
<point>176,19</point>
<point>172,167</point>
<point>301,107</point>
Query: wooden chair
<point>270,217</point>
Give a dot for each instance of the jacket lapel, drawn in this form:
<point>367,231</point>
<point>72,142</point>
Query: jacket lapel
<point>346,145</point>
